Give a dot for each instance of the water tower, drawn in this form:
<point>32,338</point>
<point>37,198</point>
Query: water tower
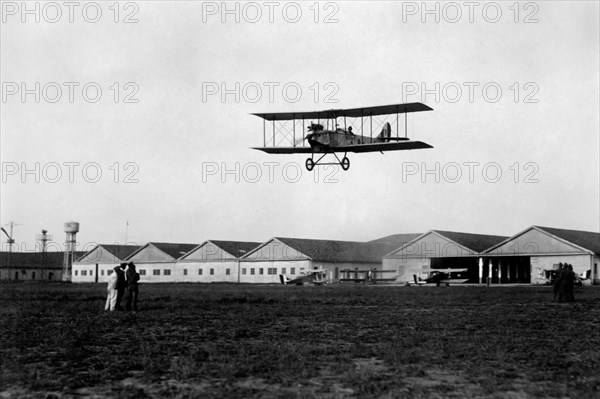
<point>71,228</point>
<point>43,240</point>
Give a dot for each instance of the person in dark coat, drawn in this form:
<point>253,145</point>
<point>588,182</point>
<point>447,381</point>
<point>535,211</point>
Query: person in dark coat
<point>569,276</point>
<point>556,274</point>
<point>121,285</point>
<point>132,285</point>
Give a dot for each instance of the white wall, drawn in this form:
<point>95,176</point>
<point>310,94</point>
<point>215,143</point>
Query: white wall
<point>280,266</point>
<point>219,270</point>
<point>406,267</point>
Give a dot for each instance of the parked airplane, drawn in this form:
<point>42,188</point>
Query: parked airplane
<point>316,277</point>
<point>441,276</point>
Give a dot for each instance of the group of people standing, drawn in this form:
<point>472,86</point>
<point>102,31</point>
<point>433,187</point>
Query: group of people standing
<point>563,281</point>
<point>117,283</point>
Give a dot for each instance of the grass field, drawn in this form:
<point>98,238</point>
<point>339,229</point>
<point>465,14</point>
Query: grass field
<point>213,340</point>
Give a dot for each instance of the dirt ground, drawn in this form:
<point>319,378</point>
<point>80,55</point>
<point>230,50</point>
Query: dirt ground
<point>267,341</point>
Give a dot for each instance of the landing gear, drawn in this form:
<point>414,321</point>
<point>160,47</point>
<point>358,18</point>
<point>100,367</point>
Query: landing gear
<point>345,164</point>
<point>311,163</point>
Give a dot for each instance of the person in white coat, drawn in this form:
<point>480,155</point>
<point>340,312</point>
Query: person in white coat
<point>111,289</point>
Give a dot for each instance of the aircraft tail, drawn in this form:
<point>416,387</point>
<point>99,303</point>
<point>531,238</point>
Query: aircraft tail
<point>283,279</point>
<point>386,132</point>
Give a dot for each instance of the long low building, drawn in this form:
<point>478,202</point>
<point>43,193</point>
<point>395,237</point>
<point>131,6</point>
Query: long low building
<point>36,266</point>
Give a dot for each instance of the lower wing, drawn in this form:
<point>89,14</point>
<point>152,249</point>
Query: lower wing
<point>356,148</point>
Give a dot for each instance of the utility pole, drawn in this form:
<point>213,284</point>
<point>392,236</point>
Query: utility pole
<point>10,240</point>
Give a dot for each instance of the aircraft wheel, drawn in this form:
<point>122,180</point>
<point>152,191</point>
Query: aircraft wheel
<point>345,164</point>
<point>310,164</point>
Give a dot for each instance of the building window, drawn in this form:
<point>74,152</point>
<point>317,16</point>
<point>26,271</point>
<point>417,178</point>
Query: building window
<point>261,271</point>
<point>252,270</point>
<point>272,270</point>
<point>185,272</point>
<point>167,272</point>
<point>142,272</point>
<point>200,272</point>
<point>155,272</point>
<point>228,272</point>
<point>244,271</point>
<point>83,272</point>
<point>33,275</point>
<point>212,271</point>
<point>91,272</point>
<point>109,272</point>
<point>292,270</point>
<point>283,270</point>
<point>102,272</point>
<point>76,272</point>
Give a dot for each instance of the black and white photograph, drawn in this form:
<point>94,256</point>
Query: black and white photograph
<point>299,199</point>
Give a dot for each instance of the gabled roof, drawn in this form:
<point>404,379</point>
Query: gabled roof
<point>397,239</point>
<point>120,252</point>
<point>475,242</point>
<point>236,248</point>
<point>31,260</point>
<point>174,250</point>
<point>337,251</point>
<point>585,239</point>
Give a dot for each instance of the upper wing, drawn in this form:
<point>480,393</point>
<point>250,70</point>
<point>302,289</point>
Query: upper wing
<point>352,112</point>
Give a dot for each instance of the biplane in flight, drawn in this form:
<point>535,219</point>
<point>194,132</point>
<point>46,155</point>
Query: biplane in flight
<point>327,137</point>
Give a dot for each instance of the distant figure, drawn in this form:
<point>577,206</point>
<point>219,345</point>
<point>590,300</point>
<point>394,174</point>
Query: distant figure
<point>369,277</point>
<point>111,291</point>
<point>121,284</point>
<point>350,130</point>
<point>570,278</point>
<point>556,280</point>
<point>132,285</point>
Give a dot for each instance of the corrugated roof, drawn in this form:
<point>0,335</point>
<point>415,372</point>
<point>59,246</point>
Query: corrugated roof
<point>236,248</point>
<point>26,260</point>
<point>585,239</point>
<point>474,242</point>
<point>338,251</point>
<point>174,250</point>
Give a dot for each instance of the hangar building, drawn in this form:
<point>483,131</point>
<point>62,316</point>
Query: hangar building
<point>156,262</point>
<point>540,250</point>
<point>439,249</point>
<point>96,265</point>
<point>293,256</point>
<point>214,261</point>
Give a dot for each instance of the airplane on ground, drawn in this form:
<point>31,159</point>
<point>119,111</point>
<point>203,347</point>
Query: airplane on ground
<point>362,276</point>
<point>441,276</point>
<point>316,277</point>
<point>332,139</point>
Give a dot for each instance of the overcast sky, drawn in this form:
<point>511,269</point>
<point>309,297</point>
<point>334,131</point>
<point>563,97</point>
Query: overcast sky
<point>165,143</point>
